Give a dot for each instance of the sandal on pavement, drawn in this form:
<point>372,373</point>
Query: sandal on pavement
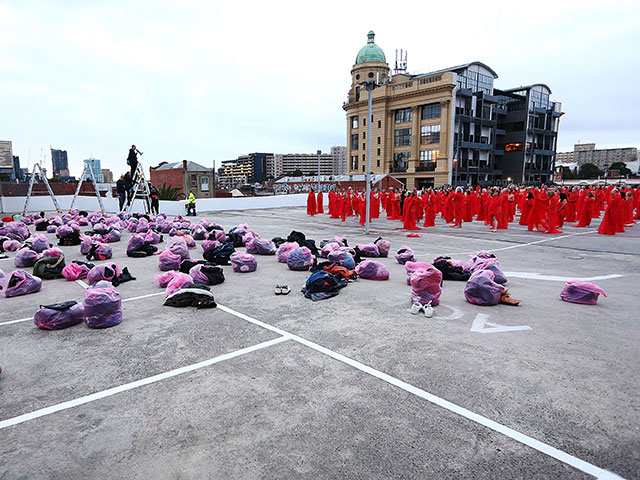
<point>278,290</point>
<point>285,289</point>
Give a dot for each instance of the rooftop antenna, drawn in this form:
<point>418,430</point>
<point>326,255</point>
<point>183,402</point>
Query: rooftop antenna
<point>401,62</point>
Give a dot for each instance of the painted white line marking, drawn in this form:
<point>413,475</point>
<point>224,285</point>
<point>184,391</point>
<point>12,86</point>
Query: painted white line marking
<point>143,296</point>
<point>82,284</point>
<point>553,278</point>
<point>138,383</point>
<point>456,313</point>
<point>452,407</point>
<point>16,321</point>
<point>480,325</point>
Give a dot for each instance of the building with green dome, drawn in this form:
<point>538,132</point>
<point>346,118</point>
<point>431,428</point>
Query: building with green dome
<point>447,127</point>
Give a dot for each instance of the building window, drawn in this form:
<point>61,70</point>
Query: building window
<point>430,134</point>
<point>402,137</point>
<point>401,161</point>
<point>428,160</point>
<point>364,146</point>
<point>378,162</point>
<point>354,162</point>
<point>364,135</point>
<point>354,141</point>
<point>378,151</point>
<point>404,115</point>
<point>431,111</point>
<point>513,147</point>
<point>379,123</point>
<point>378,140</point>
<point>364,122</point>
<point>194,180</point>
<point>354,121</point>
<point>204,184</point>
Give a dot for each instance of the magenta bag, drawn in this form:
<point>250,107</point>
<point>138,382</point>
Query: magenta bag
<point>19,283</point>
<point>39,243</point>
<point>102,307</point>
<point>152,238</point>
<point>167,260</point>
<point>342,241</point>
<point>477,259</point>
<point>300,259</point>
<point>220,235</point>
<point>164,278</point>
<point>85,244</point>
<point>178,246</point>
<point>405,254</point>
<point>411,267</point>
<point>369,250</point>
<point>493,265</point>
<point>264,246</point>
<point>243,262</point>
<point>103,272</point>
<point>284,249</point>
<point>75,271</point>
<point>200,233</point>
<point>63,231</point>
<point>209,245</point>
<point>25,257</point>
<point>53,252</point>
<point>383,247</point>
<point>482,290</point>
<point>112,237</point>
<point>51,229</point>
<point>577,291</point>
<point>58,318</point>
<point>11,245</point>
<point>328,248</point>
<point>189,241</point>
<point>372,270</point>
<point>179,279</point>
<point>250,245</point>
<point>426,286</point>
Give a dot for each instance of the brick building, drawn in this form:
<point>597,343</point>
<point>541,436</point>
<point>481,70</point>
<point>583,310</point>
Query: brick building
<point>186,175</point>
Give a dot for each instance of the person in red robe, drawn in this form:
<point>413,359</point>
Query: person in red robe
<point>494,209</point>
<point>410,212</point>
<point>537,216</point>
<point>311,203</point>
<point>319,206</point>
<point>375,204</point>
<point>571,208</point>
<point>394,203</point>
<point>586,212</point>
<point>610,221</point>
<point>458,200</point>
<point>527,204</point>
<point>553,212</point>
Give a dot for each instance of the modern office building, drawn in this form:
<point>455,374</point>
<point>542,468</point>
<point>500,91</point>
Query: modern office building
<point>18,172</point>
<point>602,158</point>
<point>60,163</point>
<point>97,170</point>
<point>447,126</point>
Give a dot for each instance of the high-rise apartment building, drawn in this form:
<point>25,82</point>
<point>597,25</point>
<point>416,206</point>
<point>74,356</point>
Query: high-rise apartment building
<point>448,126</point>
<point>94,164</point>
<point>60,163</point>
<point>602,158</point>
<point>251,168</point>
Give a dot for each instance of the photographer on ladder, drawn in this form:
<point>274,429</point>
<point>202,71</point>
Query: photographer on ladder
<point>132,160</point>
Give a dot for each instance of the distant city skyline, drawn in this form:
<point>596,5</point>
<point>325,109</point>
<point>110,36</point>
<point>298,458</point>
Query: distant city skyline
<point>188,83</point>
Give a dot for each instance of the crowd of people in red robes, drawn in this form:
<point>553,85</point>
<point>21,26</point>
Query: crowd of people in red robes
<point>546,209</point>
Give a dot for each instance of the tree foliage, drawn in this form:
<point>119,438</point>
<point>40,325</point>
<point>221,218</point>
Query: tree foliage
<point>167,192</point>
<point>621,167</point>
<point>589,170</point>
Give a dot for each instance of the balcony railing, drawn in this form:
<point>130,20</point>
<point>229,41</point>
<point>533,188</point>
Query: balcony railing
<point>398,169</point>
<point>426,167</point>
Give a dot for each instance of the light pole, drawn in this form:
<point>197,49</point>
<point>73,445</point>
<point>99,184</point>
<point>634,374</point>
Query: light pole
<point>319,152</point>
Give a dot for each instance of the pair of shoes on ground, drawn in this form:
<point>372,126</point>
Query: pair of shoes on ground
<point>427,309</point>
<point>282,290</point>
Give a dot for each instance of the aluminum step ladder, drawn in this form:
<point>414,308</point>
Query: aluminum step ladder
<point>46,182</point>
<point>140,190</point>
<point>87,172</point>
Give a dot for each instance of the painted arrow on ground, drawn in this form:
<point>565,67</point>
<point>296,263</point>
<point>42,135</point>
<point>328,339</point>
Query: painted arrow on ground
<point>553,278</point>
<point>480,325</point>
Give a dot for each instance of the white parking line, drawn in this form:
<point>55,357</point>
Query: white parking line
<point>138,383</point>
<point>452,407</point>
<point>16,321</point>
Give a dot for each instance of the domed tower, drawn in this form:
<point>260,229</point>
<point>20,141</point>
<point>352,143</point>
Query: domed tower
<point>371,64</point>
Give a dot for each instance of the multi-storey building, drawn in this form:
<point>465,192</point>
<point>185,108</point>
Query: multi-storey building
<point>251,168</point>
<point>107,175</point>
<point>186,175</point>
<point>339,155</point>
<point>442,127</point>
<point>333,163</point>
<point>94,164</point>
<point>602,158</point>
<point>60,163</point>
<point>6,161</point>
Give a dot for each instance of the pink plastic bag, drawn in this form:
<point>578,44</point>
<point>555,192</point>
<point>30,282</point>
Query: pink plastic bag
<point>328,248</point>
<point>300,259</point>
<point>19,283</point>
<point>74,271</point>
<point>39,243</point>
<point>411,267</point>
<point>243,262</point>
<point>405,254</point>
<point>481,289</point>
<point>383,247</point>
<point>372,270</point>
<point>164,278</point>
<point>179,279</point>
<point>25,257</point>
<point>369,250</point>
<point>264,246</point>
<point>493,265</point>
<point>53,319</point>
<point>103,272</point>
<point>577,291</point>
<point>209,245</point>
<point>426,286</point>
<point>284,249</point>
<point>102,307</point>
<point>178,246</point>
<point>167,260</point>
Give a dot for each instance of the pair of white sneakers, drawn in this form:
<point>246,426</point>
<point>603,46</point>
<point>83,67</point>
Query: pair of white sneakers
<point>427,309</point>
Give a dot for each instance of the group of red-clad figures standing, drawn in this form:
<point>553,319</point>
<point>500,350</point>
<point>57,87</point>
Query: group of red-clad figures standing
<point>545,209</point>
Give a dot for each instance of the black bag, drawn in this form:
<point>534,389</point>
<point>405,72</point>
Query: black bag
<point>214,273</point>
<point>220,255</point>
<point>322,285</point>
<point>302,240</point>
<point>450,271</point>
<point>144,250</point>
<point>72,238</point>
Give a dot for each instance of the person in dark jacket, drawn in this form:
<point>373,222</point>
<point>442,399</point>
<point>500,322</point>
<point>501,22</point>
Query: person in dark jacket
<point>122,192</point>
<point>132,160</point>
<point>155,199</point>
<point>128,187</point>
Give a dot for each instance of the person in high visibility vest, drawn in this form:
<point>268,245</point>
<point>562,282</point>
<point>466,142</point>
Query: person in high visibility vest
<point>191,204</point>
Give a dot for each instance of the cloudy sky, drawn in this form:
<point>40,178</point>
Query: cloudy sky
<point>202,81</point>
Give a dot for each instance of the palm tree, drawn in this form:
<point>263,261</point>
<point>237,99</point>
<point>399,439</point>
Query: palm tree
<point>167,192</point>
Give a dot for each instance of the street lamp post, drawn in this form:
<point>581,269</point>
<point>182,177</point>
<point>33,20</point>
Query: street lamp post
<point>319,152</point>
<point>370,85</point>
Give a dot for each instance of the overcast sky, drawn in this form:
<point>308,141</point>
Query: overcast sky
<point>201,81</point>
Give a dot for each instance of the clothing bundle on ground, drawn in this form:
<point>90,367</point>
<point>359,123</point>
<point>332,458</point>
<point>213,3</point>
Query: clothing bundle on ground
<point>191,295</point>
<point>243,262</point>
<point>426,286</point>
<point>405,254</point>
<point>372,270</point>
<point>451,269</point>
<point>102,306</point>
<point>481,289</point>
<point>19,283</point>
<point>300,259</point>
<point>578,291</point>
<point>321,285</point>
<point>59,315</point>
